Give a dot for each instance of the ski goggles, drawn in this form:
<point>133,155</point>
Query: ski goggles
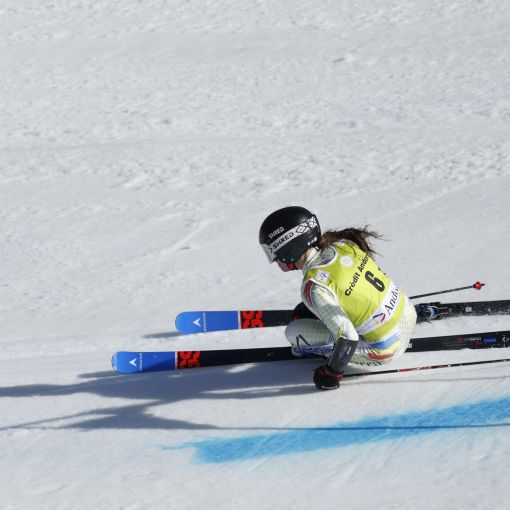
<point>271,257</point>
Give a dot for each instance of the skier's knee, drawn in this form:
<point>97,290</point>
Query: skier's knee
<point>306,333</point>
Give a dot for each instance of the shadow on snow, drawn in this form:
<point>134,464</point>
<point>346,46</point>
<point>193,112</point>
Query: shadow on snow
<point>157,389</point>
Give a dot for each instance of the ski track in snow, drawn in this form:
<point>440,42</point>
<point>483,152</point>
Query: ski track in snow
<point>142,144</point>
<point>366,431</point>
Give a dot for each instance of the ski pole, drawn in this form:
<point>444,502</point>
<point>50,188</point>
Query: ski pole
<point>476,285</point>
<point>429,367</point>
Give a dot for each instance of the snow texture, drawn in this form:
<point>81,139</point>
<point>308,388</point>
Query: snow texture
<point>142,144</point>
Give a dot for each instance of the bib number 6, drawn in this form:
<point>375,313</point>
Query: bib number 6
<point>378,284</point>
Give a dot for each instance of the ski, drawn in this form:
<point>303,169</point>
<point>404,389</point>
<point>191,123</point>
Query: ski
<point>208,321</point>
<point>136,362</point>
<point>434,311</point>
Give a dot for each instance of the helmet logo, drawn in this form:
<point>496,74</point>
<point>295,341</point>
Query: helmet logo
<point>277,231</point>
<point>302,228</point>
<point>283,240</point>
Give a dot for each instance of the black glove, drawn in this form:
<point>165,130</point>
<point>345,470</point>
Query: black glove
<point>325,379</point>
<point>302,312</point>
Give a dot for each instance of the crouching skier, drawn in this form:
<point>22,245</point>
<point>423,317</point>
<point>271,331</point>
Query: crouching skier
<point>363,317</point>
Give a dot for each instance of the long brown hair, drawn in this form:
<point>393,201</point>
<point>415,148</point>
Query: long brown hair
<point>360,236</point>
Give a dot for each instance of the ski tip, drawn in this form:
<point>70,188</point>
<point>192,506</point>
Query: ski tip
<point>207,321</point>
<point>478,285</point>
<point>189,322</point>
<point>114,362</point>
<point>131,362</point>
<point>125,362</point>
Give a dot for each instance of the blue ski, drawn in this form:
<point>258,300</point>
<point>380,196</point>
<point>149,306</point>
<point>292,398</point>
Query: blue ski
<point>133,362</point>
<point>207,321</point>
<point>202,322</point>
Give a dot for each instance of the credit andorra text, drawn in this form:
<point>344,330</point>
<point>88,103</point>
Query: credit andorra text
<point>357,276</point>
<point>395,294</point>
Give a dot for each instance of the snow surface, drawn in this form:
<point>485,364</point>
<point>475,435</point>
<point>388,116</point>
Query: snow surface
<point>142,144</point>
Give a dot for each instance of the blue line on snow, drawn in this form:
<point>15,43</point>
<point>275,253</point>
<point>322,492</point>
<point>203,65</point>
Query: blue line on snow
<point>485,413</point>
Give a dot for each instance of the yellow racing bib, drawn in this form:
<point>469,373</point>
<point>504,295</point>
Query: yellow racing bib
<point>368,297</point>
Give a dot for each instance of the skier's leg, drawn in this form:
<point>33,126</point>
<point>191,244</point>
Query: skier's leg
<point>309,337</point>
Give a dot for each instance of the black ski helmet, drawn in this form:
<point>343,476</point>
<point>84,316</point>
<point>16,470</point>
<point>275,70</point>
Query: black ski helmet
<point>287,233</point>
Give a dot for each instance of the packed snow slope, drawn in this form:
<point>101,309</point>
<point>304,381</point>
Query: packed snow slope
<point>142,144</point>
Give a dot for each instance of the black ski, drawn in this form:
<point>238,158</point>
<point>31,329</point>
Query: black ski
<point>132,362</point>
<point>435,311</point>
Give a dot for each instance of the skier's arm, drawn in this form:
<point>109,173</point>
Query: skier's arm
<point>322,301</point>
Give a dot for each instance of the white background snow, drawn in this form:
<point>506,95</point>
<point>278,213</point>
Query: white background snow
<point>142,144</point>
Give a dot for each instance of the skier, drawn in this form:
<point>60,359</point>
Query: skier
<point>363,317</point>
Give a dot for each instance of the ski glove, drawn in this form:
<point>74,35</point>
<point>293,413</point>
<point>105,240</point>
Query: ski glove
<point>326,379</point>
